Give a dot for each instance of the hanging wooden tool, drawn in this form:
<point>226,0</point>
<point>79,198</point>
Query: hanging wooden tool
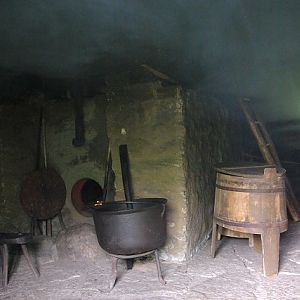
<point>269,153</point>
<point>43,192</point>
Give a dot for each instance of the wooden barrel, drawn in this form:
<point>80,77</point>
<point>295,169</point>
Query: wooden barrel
<point>251,200</point>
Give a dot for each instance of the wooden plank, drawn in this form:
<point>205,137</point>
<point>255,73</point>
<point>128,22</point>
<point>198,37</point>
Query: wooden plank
<point>247,167</point>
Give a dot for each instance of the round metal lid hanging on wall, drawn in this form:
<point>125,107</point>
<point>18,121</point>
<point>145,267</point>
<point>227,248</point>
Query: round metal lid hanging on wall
<point>43,194</point>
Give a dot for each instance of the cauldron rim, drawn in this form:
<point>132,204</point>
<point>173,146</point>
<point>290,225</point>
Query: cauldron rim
<point>154,201</point>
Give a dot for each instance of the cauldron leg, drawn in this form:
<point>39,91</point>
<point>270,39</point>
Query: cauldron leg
<point>129,263</point>
<point>114,270</point>
<point>160,278</point>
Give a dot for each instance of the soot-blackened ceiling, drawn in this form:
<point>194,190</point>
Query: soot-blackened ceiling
<point>237,47</point>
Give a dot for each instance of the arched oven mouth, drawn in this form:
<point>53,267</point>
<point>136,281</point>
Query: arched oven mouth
<point>86,194</point>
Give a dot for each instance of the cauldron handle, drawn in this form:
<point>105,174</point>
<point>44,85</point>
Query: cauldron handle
<point>124,159</point>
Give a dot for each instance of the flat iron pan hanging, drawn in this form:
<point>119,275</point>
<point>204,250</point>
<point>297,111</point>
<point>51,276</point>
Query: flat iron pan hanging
<point>43,194</point>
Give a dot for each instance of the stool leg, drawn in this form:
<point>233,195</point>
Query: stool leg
<point>51,233</point>
<point>257,243</point>
<point>32,226</point>
<point>219,233</point>
<point>5,264</point>
<point>213,239</point>
<point>29,261</point>
<point>44,226</point>
<point>160,278</point>
<point>270,249</point>
<point>251,240</point>
<point>114,271</point>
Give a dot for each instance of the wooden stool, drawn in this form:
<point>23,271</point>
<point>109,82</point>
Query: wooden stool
<point>15,239</point>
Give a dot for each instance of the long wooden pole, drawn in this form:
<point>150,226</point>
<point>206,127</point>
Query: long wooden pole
<point>269,153</point>
<point>257,133</point>
<point>291,195</point>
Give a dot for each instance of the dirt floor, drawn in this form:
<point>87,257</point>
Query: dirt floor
<point>235,273</point>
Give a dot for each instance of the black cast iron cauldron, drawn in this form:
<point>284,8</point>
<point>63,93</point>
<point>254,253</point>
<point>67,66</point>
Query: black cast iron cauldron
<point>127,228</point>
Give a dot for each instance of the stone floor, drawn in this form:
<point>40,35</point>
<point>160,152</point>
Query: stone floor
<point>235,273</point>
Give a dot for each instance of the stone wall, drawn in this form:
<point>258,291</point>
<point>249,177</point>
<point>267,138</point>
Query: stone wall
<point>74,163</point>
<point>149,119</point>
<point>18,156</point>
<point>213,135</point>
<point>175,141</point>
<point>18,152</point>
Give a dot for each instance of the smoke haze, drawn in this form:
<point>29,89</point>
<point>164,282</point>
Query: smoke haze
<point>246,48</point>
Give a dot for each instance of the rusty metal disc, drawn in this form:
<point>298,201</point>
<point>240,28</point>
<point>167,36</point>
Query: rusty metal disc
<point>43,194</point>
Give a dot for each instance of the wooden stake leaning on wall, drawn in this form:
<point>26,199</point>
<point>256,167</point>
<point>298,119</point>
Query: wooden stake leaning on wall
<point>45,165</point>
<point>159,74</point>
<point>289,189</point>
<point>107,186</point>
<point>48,223</point>
<point>269,153</point>
<point>40,181</point>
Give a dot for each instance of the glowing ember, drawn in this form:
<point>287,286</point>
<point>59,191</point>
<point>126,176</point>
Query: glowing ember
<point>98,203</point>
